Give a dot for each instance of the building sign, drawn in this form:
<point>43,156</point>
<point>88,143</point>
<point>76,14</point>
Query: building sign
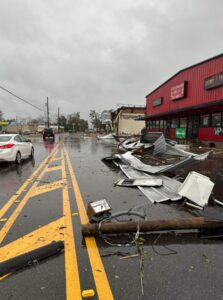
<point>213,81</point>
<point>4,123</point>
<point>180,133</point>
<point>157,102</point>
<point>178,91</point>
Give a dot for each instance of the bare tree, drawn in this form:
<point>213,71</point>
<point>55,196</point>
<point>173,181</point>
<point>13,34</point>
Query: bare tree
<point>95,119</point>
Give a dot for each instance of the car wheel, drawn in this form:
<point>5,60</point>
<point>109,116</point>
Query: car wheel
<point>32,152</point>
<point>18,158</point>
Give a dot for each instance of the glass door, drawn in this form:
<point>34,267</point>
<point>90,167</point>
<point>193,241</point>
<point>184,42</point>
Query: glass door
<point>192,127</point>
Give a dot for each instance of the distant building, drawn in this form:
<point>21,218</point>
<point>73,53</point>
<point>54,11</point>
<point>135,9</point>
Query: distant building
<point>17,127</point>
<point>125,120</point>
<point>20,128</point>
<point>3,126</point>
<point>55,128</point>
<point>106,119</point>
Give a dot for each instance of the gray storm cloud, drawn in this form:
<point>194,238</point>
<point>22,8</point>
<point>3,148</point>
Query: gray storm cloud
<point>94,54</point>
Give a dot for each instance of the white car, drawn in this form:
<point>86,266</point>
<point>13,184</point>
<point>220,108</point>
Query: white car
<point>15,147</point>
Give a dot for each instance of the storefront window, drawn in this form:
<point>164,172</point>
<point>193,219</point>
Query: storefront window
<point>183,122</point>
<point>175,123</point>
<point>161,124</point>
<point>216,120</point>
<point>157,123</point>
<point>204,120</point>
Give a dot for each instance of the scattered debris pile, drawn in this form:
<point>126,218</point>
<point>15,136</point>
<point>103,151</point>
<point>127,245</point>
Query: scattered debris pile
<point>147,163</point>
<point>105,137</point>
<point>149,170</point>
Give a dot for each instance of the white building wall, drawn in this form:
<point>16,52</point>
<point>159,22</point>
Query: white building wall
<point>130,126</point>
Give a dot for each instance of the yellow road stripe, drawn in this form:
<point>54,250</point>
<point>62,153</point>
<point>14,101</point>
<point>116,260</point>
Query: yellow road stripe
<point>9,203</point>
<point>73,290</point>
<point>5,229</point>
<point>5,276</point>
<point>57,158</point>
<point>47,188</point>
<point>51,169</point>
<point>53,231</point>
<point>100,277</point>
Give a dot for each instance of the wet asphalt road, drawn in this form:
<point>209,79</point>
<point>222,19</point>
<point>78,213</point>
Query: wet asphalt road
<point>174,266</point>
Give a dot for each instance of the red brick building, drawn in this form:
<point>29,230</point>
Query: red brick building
<point>190,103</point>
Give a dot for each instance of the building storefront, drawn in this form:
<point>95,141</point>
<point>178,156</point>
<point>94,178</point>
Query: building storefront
<point>189,105</point>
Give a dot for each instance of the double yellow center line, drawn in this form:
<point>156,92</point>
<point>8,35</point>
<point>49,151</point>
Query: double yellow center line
<point>73,286</point>
<point>17,211</point>
<point>101,281</point>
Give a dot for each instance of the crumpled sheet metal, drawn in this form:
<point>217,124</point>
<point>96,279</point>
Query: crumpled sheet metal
<point>197,188</point>
<point>168,191</point>
<point>160,145</point>
<point>142,181</point>
<point>174,150</point>
<point>133,144</point>
<point>135,163</point>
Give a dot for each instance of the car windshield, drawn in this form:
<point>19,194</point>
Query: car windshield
<point>5,138</point>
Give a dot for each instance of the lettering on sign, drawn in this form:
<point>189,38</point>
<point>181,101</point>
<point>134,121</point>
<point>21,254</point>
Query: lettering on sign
<point>213,81</point>
<point>178,91</point>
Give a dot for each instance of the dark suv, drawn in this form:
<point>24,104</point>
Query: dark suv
<point>48,133</point>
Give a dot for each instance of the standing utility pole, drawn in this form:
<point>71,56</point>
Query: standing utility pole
<point>47,108</point>
<point>58,120</point>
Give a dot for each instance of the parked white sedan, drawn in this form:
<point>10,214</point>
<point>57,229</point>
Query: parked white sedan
<point>15,147</point>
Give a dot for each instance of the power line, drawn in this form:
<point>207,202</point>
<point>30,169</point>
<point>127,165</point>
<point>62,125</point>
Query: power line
<point>25,101</point>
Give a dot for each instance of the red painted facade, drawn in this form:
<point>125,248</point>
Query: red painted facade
<point>167,102</point>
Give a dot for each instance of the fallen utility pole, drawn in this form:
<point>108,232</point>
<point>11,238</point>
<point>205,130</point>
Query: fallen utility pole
<point>149,226</point>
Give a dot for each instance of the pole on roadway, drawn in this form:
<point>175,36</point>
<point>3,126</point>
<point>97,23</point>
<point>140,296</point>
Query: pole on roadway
<point>58,120</point>
<point>149,226</point>
<point>48,114</point>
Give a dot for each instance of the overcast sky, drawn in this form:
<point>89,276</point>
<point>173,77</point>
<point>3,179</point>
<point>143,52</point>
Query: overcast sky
<point>95,54</point>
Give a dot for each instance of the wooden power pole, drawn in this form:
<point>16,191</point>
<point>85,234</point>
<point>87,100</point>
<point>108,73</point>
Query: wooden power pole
<point>48,114</point>
<point>58,120</point>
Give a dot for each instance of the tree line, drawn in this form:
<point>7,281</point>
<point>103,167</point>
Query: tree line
<point>73,122</point>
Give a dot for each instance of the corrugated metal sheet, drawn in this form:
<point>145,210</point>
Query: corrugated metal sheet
<point>168,191</point>
<point>135,163</point>
<point>159,145</point>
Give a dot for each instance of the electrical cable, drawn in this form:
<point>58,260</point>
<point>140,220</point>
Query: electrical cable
<point>115,216</point>
<point>25,101</point>
<point>171,251</point>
